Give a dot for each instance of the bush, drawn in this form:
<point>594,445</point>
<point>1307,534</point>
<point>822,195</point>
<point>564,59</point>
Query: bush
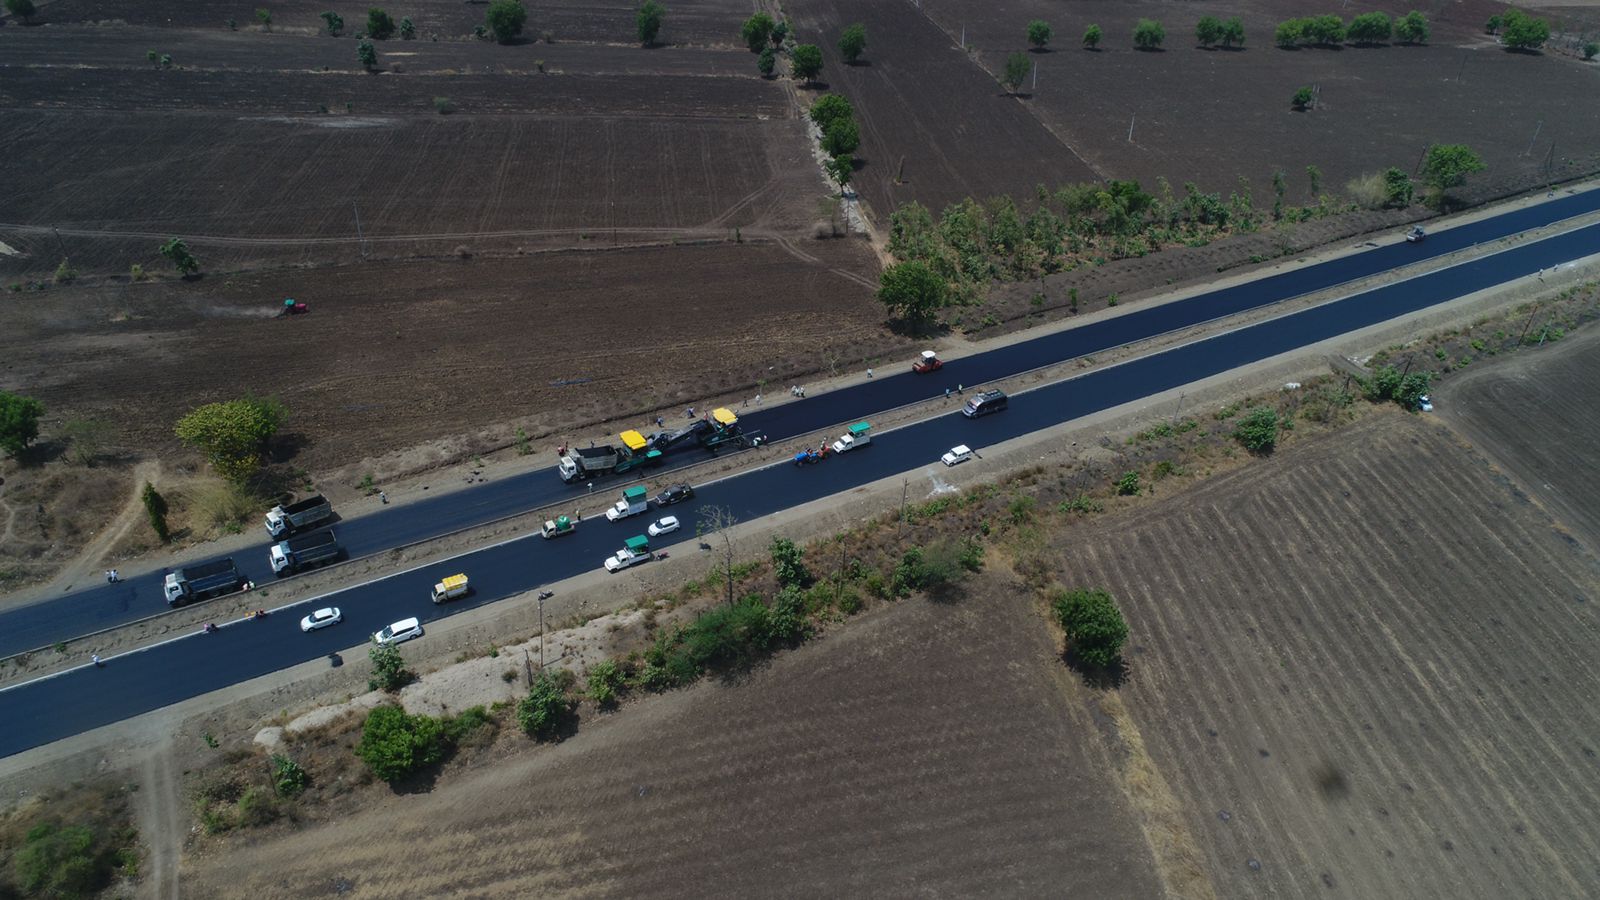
<point>1039,33</point>
<point>380,25</point>
<point>1520,31</point>
<point>1389,384</point>
<point>1148,34</point>
<point>457,728</point>
<point>546,708</point>
<point>1208,31</point>
<point>367,54</point>
<point>1590,49</point>
<point>65,273</point>
<point>1412,28</point>
<point>1094,626</point>
<point>22,9</point>
<point>178,252</point>
<point>767,62</point>
<point>505,19</point>
<point>288,778</point>
<point>1370,28</point>
<point>756,30</point>
<point>155,508</point>
<point>852,42</point>
<point>1128,484</point>
<point>19,422</point>
<point>1091,36</point>
<point>407,30</point>
<point>647,21</point>
<point>605,681</point>
<point>394,744</point>
<point>335,22</point>
<point>1301,99</point>
<point>57,861</point>
<point>787,564</point>
<point>1258,430</point>
<point>1397,188</point>
<point>389,671</point>
<point>444,107</point>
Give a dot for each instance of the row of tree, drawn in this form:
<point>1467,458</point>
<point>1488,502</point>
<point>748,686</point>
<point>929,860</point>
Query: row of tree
<point>380,25</point>
<point>1367,28</point>
<point>1520,31</point>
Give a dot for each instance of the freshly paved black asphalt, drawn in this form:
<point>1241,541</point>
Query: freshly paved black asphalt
<point>84,698</point>
<point>105,606</point>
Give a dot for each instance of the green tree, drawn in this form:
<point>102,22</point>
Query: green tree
<point>852,42</point>
<point>505,19</point>
<point>606,680</point>
<point>155,507</point>
<point>1370,28</point>
<point>806,62</point>
<point>1208,31</point>
<point>912,291</point>
<point>766,62</point>
<point>178,253</point>
<point>1520,31</point>
<point>1091,36</point>
<point>1015,72</point>
<point>22,9</point>
<point>1094,626</point>
<point>1412,28</point>
<point>394,744</point>
<point>1233,32</point>
<point>335,22</point>
<point>1301,98</point>
<point>407,29</point>
<point>757,30</point>
<point>86,438</point>
<point>367,54</point>
<point>19,422</point>
<point>389,671</point>
<point>841,138</point>
<point>840,169</point>
<point>1397,188</point>
<point>1128,485</point>
<point>380,25</point>
<point>265,17</point>
<point>1148,34</point>
<point>780,33</point>
<point>232,434</point>
<point>1258,430</point>
<point>1448,165</point>
<point>1590,49</point>
<point>288,777</point>
<point>1493,25</point>
<point>61,861</point>
<point>1325,30</point>
<point>1039,33</point>
<point>787,562</point>
<point>647,21</point>
<point>546,708</point>
<point>1289,33</point>
<point>153,57</point>
<point>830,108</point>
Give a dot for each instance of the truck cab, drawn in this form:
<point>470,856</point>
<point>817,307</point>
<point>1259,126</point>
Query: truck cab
<point>859,435</point>
<point>560,525</point>
<point>634,550</point>
<point>635,500</point>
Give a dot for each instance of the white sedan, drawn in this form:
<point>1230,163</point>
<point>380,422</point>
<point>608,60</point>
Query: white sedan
<point>957,455</point>
<point>322,618</point>
<point>664,525</point>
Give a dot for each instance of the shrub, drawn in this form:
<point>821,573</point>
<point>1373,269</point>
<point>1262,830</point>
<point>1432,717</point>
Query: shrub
<point>756,30</point>
<point>380,25</point>
<point>1397,188</point>
<point>288,778</point>
<point>394,744</point>
<point>389,671</point>
<point>22,9</point>
<point>787,563</point>
<point>1370,28</point>
<point>505,19</point>
<point>1412,28</point>
<point>155,508</point>
<point>1389,384</point>
<point>407,30</point>
<point>1039,33</point>
<point>65,273</point>
<point>605,681</point>
<point>1128,484</point>
<point>233,435</point>
<point>1148,34</point>
<point>1520,31</point>
<point>457,728</point>
<point>1258,430</point>
<point>1590,49</point>
<point>767,62</point>
<point>647,21</point>
<point>1301,99</point>
<point>852,42</point>
<point>335,22</point>
<point>546,708</point>
<point>1094,626</point>
<point>178,252</point>
<point>61,861</point>
<point>1208,31</point>
<point>1091,36</point>
<point>19,422</point>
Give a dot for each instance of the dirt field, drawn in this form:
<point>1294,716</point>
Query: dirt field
<point>927,745</point>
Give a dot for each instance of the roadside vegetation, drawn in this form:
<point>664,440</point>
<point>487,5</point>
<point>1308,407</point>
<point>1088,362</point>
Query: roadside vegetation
<point>71,842</point>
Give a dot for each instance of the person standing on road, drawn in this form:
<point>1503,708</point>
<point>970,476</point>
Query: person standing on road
<point>95,658</point>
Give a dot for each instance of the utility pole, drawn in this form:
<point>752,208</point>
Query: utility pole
<point>59,242</point>
<point>963,36</point>
<point>905,490</point>
<point>1131,120</point>
<point>1175,411</point>
<point>1462,70</point>
<point>1035,76</point>
<point>361,240</point>
<point>541,633</point>
<point>1536,129</point>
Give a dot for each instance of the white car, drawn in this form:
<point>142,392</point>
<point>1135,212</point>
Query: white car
<point>957,455</point>
<point>1425,403</point>
<point>322,618</point>
<point>664,525</point>
<point>403,630</point>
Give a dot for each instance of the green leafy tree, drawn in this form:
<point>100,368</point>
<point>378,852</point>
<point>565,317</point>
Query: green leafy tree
<point>912,291</point>
<point>780,33</point>
<point>1301,98</point>
<point>288,777</point>
<point>841,138</point>
<point>757,30</point>
<point>1397,188</point>
<point>1233,32</point>
<point>394,744</point>
<point>1370,28</point>
<point>647,21</point>
<point>1448,165</point>
<point>1520,31</point>
<point>1039,33</point>
<point>806,62</point>
<point>380,25</point>
<point>766,62</point>
<point>1148,34</point>
<point>830,108</point>
<point>155,507</point>
<point>1093,624</point>
<point>19,422</point>
<point>335,22</point>
<point>407,29</point>
<point>1128,484</point>
<point>840,169</point>
<point>787,562</point>
<point>1412,28</point>
<point>1092,36</point>
<point>389,671</point>
<point>852,42</point>
<point>232,434</point>
<point>1015,72</point>
<point>1325,30</point>
<point>265,17</point>
<point>1493,25</point>
<point>1289,33</point>
<point>546,708</point>
<point>22,9</point>
<point>176,251</point>
<point>505,19</point>
<point>1258,430</point>
<point>1208,31</point>
<point>367,53</point>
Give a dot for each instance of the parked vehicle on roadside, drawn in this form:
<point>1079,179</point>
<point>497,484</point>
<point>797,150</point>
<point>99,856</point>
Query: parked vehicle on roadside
<point>399,632</point>
<point>957,455</point>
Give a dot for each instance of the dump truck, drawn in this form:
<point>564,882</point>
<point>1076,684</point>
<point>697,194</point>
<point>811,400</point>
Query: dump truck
<point>286,520</point>
<point>858,435</point>
<point>300,553</point>
<point>634,500</point>
<point>452,587</point>
<point>634,550</point>
<point>558,526</point>
<point>585,464</point>
<point>192,583</point>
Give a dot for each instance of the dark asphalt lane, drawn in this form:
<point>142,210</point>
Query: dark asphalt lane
<point>85,698</point>
<point>87,611</point>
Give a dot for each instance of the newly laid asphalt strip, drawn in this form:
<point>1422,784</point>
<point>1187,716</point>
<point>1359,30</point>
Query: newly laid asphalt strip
<point>86,697</point>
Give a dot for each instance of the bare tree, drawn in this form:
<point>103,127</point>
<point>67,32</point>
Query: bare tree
<point>715,522</point>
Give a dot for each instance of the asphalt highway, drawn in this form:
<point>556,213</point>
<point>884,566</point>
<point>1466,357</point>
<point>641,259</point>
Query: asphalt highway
<point>83,698</point>
<point>106,606</point>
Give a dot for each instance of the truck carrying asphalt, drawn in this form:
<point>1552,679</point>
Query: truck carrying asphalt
<point>586,463</point>
<point>300,553</point>
<point>193,583</point>
<point>285,520</point>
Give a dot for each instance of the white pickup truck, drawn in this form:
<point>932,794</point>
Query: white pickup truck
<point>634,551</point>
<point>635,500</point>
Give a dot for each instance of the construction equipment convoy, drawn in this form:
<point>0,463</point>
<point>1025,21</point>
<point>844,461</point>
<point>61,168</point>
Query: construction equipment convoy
<point>634,500</point>
<point>286,520</point>
<point>202,582</point>
<point>300,553</point>
<point>719,429</point>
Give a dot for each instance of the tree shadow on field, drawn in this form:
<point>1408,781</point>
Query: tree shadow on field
<point>1105,678</point>
<point>919,328</point>
<point>40,452</point>
<point>288,445</point>
<point>859,63</point>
